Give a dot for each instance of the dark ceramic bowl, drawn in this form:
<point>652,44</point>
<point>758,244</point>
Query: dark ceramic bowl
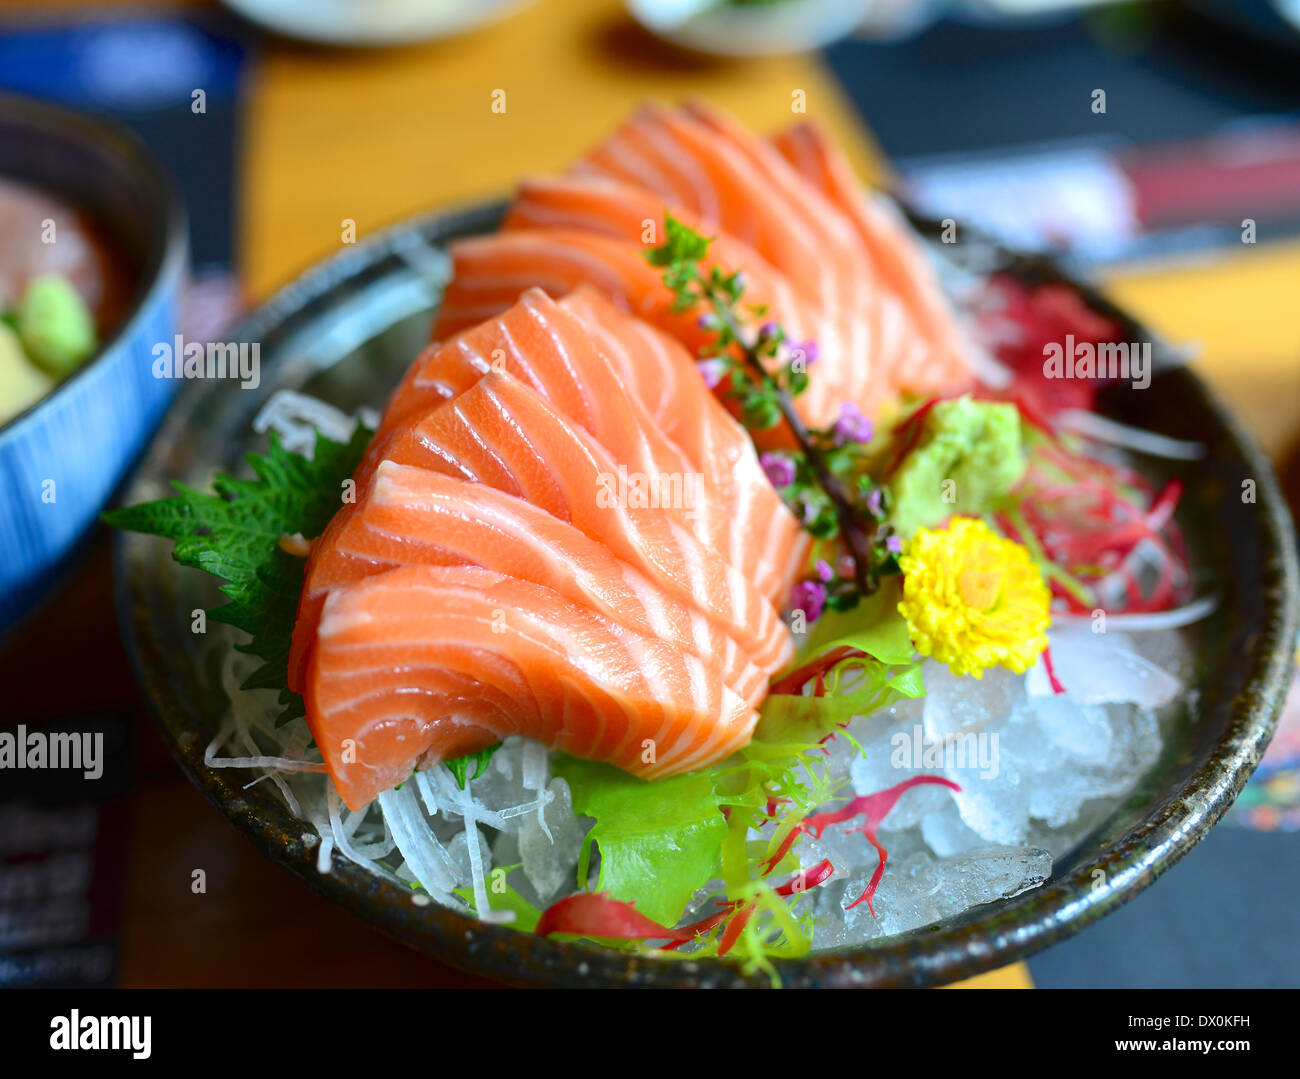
<point>347,330</point>
<point>85,435</point>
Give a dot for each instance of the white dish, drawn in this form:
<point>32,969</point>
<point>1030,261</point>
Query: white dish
<point>372,22</point>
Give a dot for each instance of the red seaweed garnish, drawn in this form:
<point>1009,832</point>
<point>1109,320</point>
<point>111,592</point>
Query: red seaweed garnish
<point>1045,314</point>
<point>800,882</point>
<point>874,808</point>
<point>1052,680</point>
<point>1086,525</point>
<point>596,914</point>
<point>817,669</point>
<point>735,927</point>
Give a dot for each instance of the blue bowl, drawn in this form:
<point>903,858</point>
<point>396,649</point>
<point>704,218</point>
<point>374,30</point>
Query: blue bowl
<point>61,459</point>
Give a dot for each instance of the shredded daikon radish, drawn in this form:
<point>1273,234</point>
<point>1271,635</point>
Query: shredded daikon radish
<point>1101,429</point>
<point>425,788</point>
<point>424,855</point>
<point>481,905</point>
<point>343,840</point>
<point>279,764</point>
<point>536,765</point>
<point>297,417</point>
<point>1149,620</point>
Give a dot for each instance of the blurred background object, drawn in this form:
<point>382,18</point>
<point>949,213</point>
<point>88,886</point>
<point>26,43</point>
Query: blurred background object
<point>372,22</point>
<point>772,27</point>
<point>90,278</point>
<point>985,112</point>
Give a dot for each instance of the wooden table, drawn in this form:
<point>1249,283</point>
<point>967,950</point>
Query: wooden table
<point>373,137</point>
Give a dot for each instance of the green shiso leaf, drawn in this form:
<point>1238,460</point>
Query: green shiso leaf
<point>234,534</point>
<point>459,767</point>
<point>659,841</point>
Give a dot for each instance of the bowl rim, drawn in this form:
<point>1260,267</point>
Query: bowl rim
<point>956,950</point>
<point>168,241</point>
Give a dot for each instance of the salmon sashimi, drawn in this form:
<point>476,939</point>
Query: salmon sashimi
<point>559,531</point>
<point>587,365</point>
<point>413,516</point>
<point>830,264</point>
<point>489,273</point>
<point>663,376</point>
<point>716,171</point>
<point>548,350</point>
<point>620,210</point>
<point>502,434</point>
<point>427,663</point>
<point>945,365</point>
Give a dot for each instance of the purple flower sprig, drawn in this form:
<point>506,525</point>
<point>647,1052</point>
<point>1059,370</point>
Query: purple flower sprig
<point>779,468</point>
<point>827,587</point>
<point>852,426</point>
<point>808,596</point>
<point>762,371</point>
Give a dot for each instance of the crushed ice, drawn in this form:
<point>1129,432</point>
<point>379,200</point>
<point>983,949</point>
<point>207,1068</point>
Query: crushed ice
<point>1038,770</point>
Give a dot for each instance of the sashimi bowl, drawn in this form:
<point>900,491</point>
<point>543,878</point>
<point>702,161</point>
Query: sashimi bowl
<point>341,337</point>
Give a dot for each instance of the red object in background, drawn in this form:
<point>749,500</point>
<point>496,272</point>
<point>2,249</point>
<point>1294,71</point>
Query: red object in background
<point>1042,315</point>
<point>1252,172</point>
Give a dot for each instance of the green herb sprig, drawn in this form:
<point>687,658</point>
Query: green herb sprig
<point>828,490</point>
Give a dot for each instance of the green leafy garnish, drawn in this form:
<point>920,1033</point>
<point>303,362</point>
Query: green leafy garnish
<point>459,767</point>
<point>659,841</point>
<point>502,896</point>
<point>761,371</point>
<point>234,534</point>
<point>855,685</point>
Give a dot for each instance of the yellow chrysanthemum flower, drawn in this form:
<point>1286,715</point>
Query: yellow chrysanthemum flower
<point>973,599</point>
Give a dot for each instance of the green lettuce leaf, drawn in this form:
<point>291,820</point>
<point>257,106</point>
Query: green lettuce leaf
<point>526,915</point>
<point>659,841</point>
<point>856,687</point>
<point>874,626</point>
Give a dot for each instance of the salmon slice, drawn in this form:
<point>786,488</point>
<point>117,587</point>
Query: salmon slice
<point>945,366</point>
<point>731,181</point>
<point>425,663</point>
<point>880,324</point>
<point>578,363</point>
<point>686,164</point>
<point>548,350</point>
<point>831,264</point>
<point>661,373</point>
<point>412,516</point>
<point>489,273</point>
<point>620,210</point>
<point>502,434</point>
